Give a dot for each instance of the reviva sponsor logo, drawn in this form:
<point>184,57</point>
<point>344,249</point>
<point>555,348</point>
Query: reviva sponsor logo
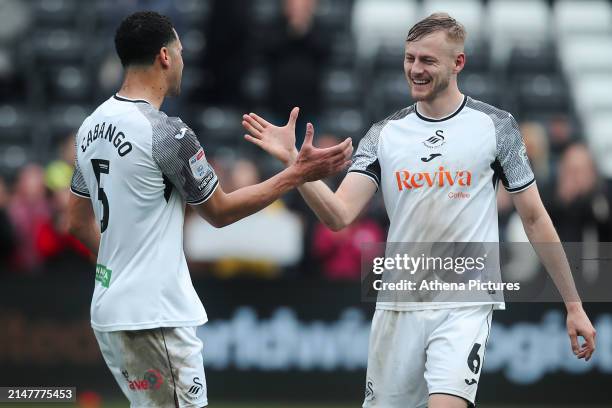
<point>441,178</point>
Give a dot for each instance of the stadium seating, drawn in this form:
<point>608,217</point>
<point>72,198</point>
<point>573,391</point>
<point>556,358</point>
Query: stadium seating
<point>344,122</point>
<point>468,12</point>
<point>389,93</point>
<point>218,123</point>
<point>57,45</point>
<point>333,15</point>
<point>586,53</point>
<point>580,17</point>
<point>192,12</point>
<point>514,22</point>
<point>255,85</point>
<point>592,93</point>
<point>481,86</point>
<point>194,44</point>
<point>15,141</point>
<point>343,50</point>
<point>66,119</point>
<point>540,93</point>
<point>341,87</point>
<point>377,22</point>
<point>265,11</point>
<point>56,13</point>
<point>68,83</point>
<point>598,128</point>
<point>534,57</point>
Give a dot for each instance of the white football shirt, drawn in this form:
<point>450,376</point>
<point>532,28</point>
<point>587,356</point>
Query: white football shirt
<point>438,176</point>
<point>139,167</point>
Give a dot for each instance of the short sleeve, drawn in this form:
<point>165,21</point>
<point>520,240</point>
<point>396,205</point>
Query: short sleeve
<point>365,159</point>
<point>182,160</point>
<point>512,164</point>
<point>78,185</point>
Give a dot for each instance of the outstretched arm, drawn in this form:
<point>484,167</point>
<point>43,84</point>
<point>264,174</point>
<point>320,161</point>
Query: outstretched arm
<point>544,238</point>
<point>338,209</point>
<point>310,164</point>
<point>335,210</point>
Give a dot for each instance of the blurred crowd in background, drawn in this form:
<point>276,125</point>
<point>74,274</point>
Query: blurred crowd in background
<point>57,64</point>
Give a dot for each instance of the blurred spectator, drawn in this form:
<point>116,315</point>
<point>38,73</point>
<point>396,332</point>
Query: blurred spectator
<point>59,250</point>
<point>257,245</point>
<point>296,51</point>
<point>536,142</point>
<point>227,49</point>
<point>56,247</point>
<point>340,252</point>
<point>579,202</point>
<point>7,238</point>
<point>28,209</point>
<point>58,173</point>
<point>561,133</point>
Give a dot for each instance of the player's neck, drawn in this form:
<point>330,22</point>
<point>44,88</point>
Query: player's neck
<point>143,84</point>
<point>442,106</point>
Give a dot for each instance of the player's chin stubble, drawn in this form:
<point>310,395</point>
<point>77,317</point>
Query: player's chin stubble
<point>438,87</point>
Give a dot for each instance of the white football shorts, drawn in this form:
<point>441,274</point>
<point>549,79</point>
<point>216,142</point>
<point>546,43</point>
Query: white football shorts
<point>161,367</point>
<point>413,354</point>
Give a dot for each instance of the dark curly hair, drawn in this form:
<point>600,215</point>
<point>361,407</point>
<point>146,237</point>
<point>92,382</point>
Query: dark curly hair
<point>141,35</point>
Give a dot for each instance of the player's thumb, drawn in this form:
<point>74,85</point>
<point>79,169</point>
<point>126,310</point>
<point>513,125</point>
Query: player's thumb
<point>293,116</point>
<point>309,134</point>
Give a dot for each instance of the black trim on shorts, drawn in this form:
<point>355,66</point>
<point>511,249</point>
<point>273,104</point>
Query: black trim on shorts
<point>488,332</point>
<point>469,404</point>
<point>176,404</point>
<point>484,351</point>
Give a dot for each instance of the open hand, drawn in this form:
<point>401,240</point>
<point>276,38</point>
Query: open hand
<point>279,141</point>
<point>313,163</point>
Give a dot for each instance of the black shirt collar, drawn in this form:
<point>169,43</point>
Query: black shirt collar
<point>425,118</point>
<point>123,99</point>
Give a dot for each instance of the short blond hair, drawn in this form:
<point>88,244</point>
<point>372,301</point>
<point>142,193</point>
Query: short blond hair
<point>455,31</point>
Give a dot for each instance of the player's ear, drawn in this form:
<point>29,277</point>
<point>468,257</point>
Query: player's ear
<point>459,62</point>
<point>164,57</point>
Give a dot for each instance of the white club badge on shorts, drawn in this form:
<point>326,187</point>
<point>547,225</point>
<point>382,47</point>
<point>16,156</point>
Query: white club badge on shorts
<point>197,163</point>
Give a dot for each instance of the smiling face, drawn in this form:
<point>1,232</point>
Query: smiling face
<point>431,64</point>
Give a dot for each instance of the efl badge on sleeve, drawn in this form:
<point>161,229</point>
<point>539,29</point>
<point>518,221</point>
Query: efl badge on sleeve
<point>198,165</point>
